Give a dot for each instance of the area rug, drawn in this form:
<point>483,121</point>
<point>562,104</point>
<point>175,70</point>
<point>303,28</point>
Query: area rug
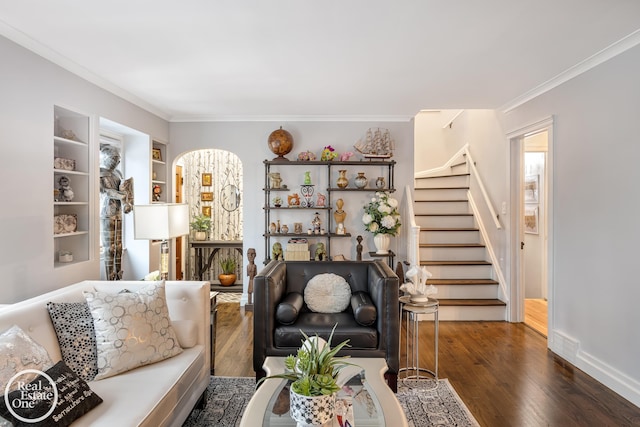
<point>425,403</point>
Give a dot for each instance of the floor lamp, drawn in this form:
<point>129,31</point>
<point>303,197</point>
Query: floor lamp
<point>162,221</point>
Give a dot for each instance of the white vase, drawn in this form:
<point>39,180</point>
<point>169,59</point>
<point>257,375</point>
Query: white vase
<point>382,242</point>
<point>311,410</point>
<point>200,235</point>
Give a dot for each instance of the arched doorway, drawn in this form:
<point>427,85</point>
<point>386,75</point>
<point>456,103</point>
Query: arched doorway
<point>212,185</point>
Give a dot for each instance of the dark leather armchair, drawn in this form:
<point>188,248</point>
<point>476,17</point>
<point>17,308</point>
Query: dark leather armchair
<point>374,288</point>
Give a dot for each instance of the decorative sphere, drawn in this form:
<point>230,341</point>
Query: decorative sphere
<point>280,142</point>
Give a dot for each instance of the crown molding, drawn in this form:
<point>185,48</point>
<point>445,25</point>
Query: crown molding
<point>291,118</point>
<point>62,61</point>
<point>594,60</point>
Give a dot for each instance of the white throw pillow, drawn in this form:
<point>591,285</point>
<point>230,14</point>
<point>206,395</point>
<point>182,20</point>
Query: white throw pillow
<point>187,332</point>
<point>327,293</point>
<point>132,329</point>
<point>18,351</point>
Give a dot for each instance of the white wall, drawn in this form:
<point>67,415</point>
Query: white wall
<point>595,216</point>
<point>30,87</point>
<point>435,141</point>
<point>249,141</point>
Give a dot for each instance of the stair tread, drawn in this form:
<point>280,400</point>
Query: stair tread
<point>471,262</point>
<point>446,176</point>
<point>450,282</point>
<point>471,302</point>
<point>452,245</point>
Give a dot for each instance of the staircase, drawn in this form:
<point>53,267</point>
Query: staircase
<point>451,248</point>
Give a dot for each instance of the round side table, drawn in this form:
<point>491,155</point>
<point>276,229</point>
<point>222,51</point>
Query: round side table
<point>412,311</point>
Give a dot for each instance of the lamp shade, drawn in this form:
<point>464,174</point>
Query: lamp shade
<point>161,221</point>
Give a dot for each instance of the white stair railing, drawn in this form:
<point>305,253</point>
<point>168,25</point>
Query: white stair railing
<point>410,232</point>
<point>476,176</point>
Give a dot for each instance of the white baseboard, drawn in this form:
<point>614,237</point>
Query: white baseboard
<point>569,349</point>
<point>617,381</point>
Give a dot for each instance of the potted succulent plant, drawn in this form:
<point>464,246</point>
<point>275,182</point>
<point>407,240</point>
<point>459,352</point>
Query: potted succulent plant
<point>314,371</point>
<point>228,275</point>
<point>200,224</point>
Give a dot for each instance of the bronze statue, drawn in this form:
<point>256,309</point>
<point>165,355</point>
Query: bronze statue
<point>116,196</point>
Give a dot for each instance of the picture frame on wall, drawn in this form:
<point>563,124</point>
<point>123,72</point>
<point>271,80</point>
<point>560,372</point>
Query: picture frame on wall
<point>531,190</point>
<point>206,211</point>
<point>156,154</point>
<point>531,219</point>
<point>206,196</point>
<point>207,179</point>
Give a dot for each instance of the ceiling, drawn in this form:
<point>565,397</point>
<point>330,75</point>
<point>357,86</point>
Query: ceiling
<point>333,59</point>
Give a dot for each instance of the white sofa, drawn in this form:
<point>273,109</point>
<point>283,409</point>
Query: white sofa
<point>160,394</point>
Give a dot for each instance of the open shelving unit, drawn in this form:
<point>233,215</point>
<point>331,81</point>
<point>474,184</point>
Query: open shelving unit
<point>272,212</point>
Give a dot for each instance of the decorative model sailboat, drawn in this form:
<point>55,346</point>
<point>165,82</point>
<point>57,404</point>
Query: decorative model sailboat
<point>377,144</point>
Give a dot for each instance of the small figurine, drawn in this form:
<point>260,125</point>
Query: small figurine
<point>274,180</point>
<point>321,200</point>
<point>157,191</point>
<point>339,215</point>
<point>64,189</point>
<point>293,199</point>
<point>344,157</point>
<point>276,251</point>
<point>306,156</point>
<point>321,253</point>
<point>307,178</point>
<point>316,222</point>
<point>328,154</point>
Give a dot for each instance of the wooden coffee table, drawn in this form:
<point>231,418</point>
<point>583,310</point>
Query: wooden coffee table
<point>374,404</point>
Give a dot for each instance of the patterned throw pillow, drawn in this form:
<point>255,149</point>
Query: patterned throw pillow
<point>75,399</point>
<point>132,329</point>
<point>73,324</point>
<point>19,352</point>
<point>327,293</point>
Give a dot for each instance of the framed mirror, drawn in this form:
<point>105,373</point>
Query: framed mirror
<point>230,197</point>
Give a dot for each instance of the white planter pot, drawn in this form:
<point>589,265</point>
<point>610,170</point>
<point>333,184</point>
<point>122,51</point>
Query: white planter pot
<point>382,242</point>
<point>311,410</point>
<point>200,235</point>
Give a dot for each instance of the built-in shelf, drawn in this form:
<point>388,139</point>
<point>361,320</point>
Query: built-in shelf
<point>71,142</point>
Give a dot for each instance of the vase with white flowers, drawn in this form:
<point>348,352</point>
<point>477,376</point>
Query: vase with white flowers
<point>382,218</point>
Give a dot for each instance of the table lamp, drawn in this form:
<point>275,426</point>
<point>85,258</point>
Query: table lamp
<point>162,221</point>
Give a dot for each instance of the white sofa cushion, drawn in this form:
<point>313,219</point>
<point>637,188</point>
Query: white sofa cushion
<point>149,394</point>
<point>132,329</point>
<point>186,331</point>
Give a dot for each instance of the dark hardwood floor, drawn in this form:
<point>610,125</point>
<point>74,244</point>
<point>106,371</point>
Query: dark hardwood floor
<point>502,371</point>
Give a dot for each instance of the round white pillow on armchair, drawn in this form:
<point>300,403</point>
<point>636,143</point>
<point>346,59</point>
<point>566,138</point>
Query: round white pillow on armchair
<point>327,293</point>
